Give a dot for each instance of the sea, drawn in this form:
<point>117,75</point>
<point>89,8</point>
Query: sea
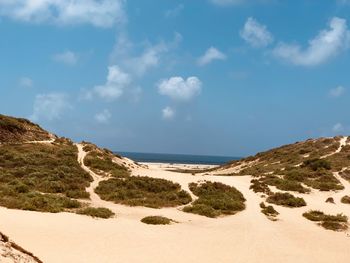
<point>177,158</point>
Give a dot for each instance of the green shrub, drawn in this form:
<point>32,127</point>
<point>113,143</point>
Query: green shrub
<point>317,164</point>
<point>143,191</point>
<point>269,211</point>
<point>259,187</point>
<point>331,222</point>
<point>286,185</point>
<point>156,220</point>
<point>36,202</point>
<point>286,199</point>
<point>100,212</point>
<point>215,199</point>
<point>330,200</point>
<point>345,199</point>
<point>202,209</point>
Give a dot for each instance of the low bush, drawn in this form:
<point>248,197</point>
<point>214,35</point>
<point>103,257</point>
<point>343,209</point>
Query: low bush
<point>286,199</point>
<point>330,200</point>
<point>259,187</point>
<point>156,220</point>
<point>143,191</point>
<point>286,185</point>
<point>269,211</point>
<point>345,199</point>
<point>317,164</point>
<point>100,212</point>
<point>34,201</point>
<point>331,222</point>
<point>215,199</point>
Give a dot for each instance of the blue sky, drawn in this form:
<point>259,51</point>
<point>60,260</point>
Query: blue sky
<point>218,77</point>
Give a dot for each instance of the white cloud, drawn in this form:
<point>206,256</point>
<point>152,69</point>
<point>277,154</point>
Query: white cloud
<point>99,13</point>
<point>338,128</point>
<point>174,12</point>
<point>117,82</point>
<point>180,89</point>
<point>168,113</point>
<point>211,54</point>
<point>256,34</point>
<point>227,2</point>
<point>149,58</point>
<point>337,92</point>
<point>103,117</point>
<point>49,106</point>
<point>26,82</point>
<point>67,57</point>
<point>326,45</point>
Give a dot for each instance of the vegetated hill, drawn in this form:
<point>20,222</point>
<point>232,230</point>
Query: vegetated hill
<point>41,172</point>
<point>315,163</point>
<point>16,130</point>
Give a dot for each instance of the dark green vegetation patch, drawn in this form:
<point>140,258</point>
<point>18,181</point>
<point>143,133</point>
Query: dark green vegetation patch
<point>269,211</point>
<point>143,191</point>
<point>156,220</point>
<point>345,199</point>
<point>286,199</point>
<point>331,222</point>
<point>215,199</point>
<point>101,162</point>
<point>100,212</point>
<point>41,177</point>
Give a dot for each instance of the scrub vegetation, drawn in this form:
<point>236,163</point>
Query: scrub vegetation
<point>215,199</point>
<point>143,191</point>
<point>331,222</point>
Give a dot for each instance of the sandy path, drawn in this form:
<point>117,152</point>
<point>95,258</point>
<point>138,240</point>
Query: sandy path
<point>245,237</point>
<point>343,142</point>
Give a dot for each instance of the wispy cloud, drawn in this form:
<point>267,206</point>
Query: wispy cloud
<point>180,89</point>
<point>49,106</point>
<point>227,2</point>
<point>103,117</point>
<point>168,113</point>
<point>150,57</point>
<point>256,34</point>
<point>210,55</point>
<point>337,92</point>
<point>67,57</point>
<point>171,13</point>
<point>26,82</point>
<point>338,128</point>
<point>99,13</point>
<point>326,45</point>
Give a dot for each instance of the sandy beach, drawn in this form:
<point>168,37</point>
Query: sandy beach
<point>245,237</point>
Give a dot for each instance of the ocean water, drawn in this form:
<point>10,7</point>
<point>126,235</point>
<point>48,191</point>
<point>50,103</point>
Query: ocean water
<point>177,158</point>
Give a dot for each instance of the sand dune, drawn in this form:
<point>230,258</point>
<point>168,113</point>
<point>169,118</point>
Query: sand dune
<point>245,237</point>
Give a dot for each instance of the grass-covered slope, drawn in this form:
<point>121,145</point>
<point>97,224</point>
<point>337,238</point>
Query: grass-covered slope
<point>17,130</point>
<point>103,162</point>
<point>41,177</point>
<point>298,167</point>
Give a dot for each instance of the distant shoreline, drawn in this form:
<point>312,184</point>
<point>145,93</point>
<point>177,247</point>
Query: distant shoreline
<point>183,159</point>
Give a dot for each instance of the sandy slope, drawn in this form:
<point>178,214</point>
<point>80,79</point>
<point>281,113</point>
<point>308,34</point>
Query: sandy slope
<point>246,237</point>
